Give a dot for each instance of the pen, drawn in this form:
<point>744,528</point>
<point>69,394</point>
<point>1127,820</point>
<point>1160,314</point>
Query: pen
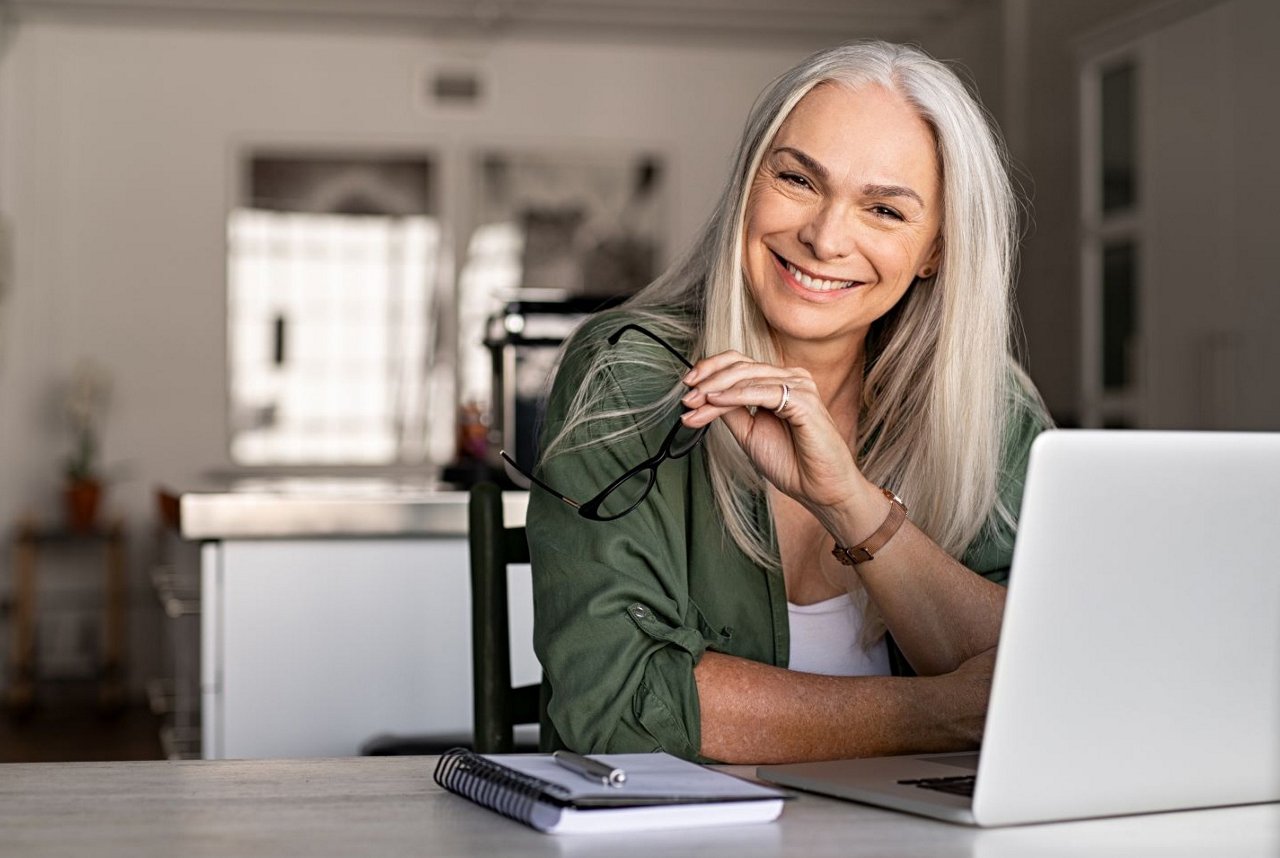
<point>591,769</point>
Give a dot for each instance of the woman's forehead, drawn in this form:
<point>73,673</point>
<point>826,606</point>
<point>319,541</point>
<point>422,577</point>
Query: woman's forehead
<point>869,133</point>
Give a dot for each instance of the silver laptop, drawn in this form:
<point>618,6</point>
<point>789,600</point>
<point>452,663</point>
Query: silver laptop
<point>1139,659</point>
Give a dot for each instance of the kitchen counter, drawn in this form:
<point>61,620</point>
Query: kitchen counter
<point>335,610</point>
<point>314,507</point>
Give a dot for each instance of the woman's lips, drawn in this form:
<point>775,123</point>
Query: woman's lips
<point>808,285</point>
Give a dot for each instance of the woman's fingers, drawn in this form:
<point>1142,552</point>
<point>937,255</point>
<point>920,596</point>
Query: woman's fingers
<point>708,365</point>
<point>755,393</point>
<point>731,380</point>
<point>734,372</point>
<point>798,450</point>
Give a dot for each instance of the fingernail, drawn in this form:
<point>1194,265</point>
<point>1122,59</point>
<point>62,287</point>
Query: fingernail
<point>690,396</point>
<point>690,377</point>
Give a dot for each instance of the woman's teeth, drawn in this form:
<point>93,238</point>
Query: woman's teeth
<point>814,283</point>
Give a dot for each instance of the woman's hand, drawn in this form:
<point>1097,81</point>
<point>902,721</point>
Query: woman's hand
<point>798,448</point>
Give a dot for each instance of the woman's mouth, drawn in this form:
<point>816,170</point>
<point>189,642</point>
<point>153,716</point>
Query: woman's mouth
<point>814,284</point>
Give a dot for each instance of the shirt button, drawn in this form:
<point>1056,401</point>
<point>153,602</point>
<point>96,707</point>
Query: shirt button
<point>637,611</point>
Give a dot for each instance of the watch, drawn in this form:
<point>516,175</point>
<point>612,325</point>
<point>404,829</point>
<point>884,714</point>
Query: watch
<point>867,548</point>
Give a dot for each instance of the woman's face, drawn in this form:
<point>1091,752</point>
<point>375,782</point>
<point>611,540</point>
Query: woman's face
<point>843,215</point>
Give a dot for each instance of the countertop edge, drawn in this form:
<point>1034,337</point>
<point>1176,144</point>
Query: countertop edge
<point>272,515</point>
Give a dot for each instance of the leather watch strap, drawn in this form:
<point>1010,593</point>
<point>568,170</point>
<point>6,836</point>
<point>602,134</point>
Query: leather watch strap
<point>867,548</point>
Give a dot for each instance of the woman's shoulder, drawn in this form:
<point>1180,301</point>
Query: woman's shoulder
<point>990,553</point>
<point>614,380</point>
<point>671,324</point>
<point>620,345</point>
<point>1026,416</point>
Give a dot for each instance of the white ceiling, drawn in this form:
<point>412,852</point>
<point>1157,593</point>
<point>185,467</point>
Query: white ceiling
<point>822,20</point>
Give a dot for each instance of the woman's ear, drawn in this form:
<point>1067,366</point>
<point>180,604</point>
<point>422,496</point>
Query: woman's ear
<point>931,263</point>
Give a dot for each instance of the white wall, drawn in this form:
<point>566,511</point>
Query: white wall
<point>116,151</point>
<point>973,42</point>
<point>1208,332</point>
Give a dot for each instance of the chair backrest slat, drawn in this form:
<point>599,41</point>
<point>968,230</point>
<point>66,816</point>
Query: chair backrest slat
<point>497,706</point>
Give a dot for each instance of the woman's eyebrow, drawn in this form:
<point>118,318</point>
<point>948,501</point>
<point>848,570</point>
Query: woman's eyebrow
<point>873,190</point>
<point>805,160</point>
<point>892,191</point>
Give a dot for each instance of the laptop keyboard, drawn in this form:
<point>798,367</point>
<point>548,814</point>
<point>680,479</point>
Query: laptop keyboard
<point>956,785</point>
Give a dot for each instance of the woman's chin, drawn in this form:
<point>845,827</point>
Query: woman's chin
<point>816,332</point>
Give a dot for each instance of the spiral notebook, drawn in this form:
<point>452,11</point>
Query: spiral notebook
<point>661,791</point>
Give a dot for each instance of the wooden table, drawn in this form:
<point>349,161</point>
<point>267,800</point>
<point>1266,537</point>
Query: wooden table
<point>390,806</point>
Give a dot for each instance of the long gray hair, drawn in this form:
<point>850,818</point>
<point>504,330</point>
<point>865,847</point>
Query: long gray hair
<point>939,374</point>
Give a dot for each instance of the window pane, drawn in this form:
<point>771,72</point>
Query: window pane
<point>1119,314</point>
<point>331,266</point>
<point>1119,122</point>
<point>328,336</point>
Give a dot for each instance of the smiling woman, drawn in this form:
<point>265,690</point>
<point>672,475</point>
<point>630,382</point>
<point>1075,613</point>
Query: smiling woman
<point>836,230</point>
<point>846,313</point>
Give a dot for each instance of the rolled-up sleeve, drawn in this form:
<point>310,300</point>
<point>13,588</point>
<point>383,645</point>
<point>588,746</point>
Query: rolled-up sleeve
<point>614,627</point>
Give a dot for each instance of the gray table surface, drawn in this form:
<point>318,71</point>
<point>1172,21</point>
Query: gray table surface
<point>390,806</point>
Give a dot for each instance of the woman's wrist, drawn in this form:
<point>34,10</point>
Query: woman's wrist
<point>858,514</point>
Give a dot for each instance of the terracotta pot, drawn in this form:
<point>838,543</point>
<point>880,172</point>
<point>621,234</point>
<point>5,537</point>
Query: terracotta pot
<point>82,498</point>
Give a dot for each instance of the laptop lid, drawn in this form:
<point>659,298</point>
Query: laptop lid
<point>1139,662</point>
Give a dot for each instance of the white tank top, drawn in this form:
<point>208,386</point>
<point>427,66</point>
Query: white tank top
<point>825,638</point>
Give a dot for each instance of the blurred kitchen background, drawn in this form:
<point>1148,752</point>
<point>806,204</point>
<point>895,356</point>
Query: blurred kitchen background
<point>279,277</point>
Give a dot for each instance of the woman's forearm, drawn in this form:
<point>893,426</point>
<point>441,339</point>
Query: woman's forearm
<point>939,613</point>
<point>757,713</point>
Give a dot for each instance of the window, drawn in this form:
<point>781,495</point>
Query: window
<point>1111,247</point>
<point>331,296</point>
<point>348,343</point>
<point>1118,138</point>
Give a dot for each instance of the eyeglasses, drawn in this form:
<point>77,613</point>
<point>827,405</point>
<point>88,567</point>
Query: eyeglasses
<point>627,492</point>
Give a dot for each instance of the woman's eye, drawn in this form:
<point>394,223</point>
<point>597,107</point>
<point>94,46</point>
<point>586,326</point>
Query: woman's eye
<point>794,179</point>
<point>885,211</point>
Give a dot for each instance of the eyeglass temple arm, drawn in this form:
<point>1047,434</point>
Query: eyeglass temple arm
<point>616,335</point>
<point>537,482</point>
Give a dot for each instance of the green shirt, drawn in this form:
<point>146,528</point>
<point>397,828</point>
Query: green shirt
<point>623,610</point>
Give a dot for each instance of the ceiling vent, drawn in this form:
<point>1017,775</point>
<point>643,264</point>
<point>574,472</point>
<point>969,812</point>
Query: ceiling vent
<point>454,88</point>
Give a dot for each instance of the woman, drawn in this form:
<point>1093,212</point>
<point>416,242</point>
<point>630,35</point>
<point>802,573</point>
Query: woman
<point>848,306</point>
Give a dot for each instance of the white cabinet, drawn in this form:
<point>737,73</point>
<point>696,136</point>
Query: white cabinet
<point>311,646</point>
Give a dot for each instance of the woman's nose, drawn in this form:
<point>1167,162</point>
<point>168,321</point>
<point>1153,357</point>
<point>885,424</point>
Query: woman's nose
<point>829,233</point>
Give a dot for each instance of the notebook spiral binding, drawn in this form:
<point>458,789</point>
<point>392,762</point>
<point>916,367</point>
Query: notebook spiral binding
<point>510,793</point>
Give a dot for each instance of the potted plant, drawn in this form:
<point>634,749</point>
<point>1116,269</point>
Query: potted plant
<point>86,403</point>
